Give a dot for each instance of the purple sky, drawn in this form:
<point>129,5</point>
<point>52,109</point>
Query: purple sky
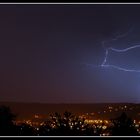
<point>44,49</point>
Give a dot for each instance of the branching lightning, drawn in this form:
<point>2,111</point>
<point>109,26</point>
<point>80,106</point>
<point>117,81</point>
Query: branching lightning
<point>105,59</point>
<point>123,35</point>
<point>124,50</point>
<point>104,65</point>
<point>120,51</point>
<point>120,68</point>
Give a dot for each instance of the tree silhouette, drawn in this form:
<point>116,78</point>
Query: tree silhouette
<point>123,126</point>
<point>7,118</point>
<point>66,125</point>
<point>26,130</point>
<point>46,129</point>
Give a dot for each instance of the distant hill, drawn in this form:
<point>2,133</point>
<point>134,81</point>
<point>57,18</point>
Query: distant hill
<point>26,110</point>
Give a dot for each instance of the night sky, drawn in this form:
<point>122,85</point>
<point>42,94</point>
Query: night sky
<point>45,51</point>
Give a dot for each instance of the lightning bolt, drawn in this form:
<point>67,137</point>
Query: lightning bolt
<point>120,51</point>
<point>125,50</point>
<point>104,65</point>
<point>124,34</point>
<point>105,59</point>
<point>114,39</point>
<point>120,68</point>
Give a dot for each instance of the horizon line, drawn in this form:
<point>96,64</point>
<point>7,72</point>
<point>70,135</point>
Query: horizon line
<point>69,102</point>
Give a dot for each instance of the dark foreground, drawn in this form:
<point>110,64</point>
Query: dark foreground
<point>66,124</point>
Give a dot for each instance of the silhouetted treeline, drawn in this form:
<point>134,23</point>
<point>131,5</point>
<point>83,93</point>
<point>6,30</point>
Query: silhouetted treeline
<point>123,126</point>
<point>65,124</point>
<point>9,128</point>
